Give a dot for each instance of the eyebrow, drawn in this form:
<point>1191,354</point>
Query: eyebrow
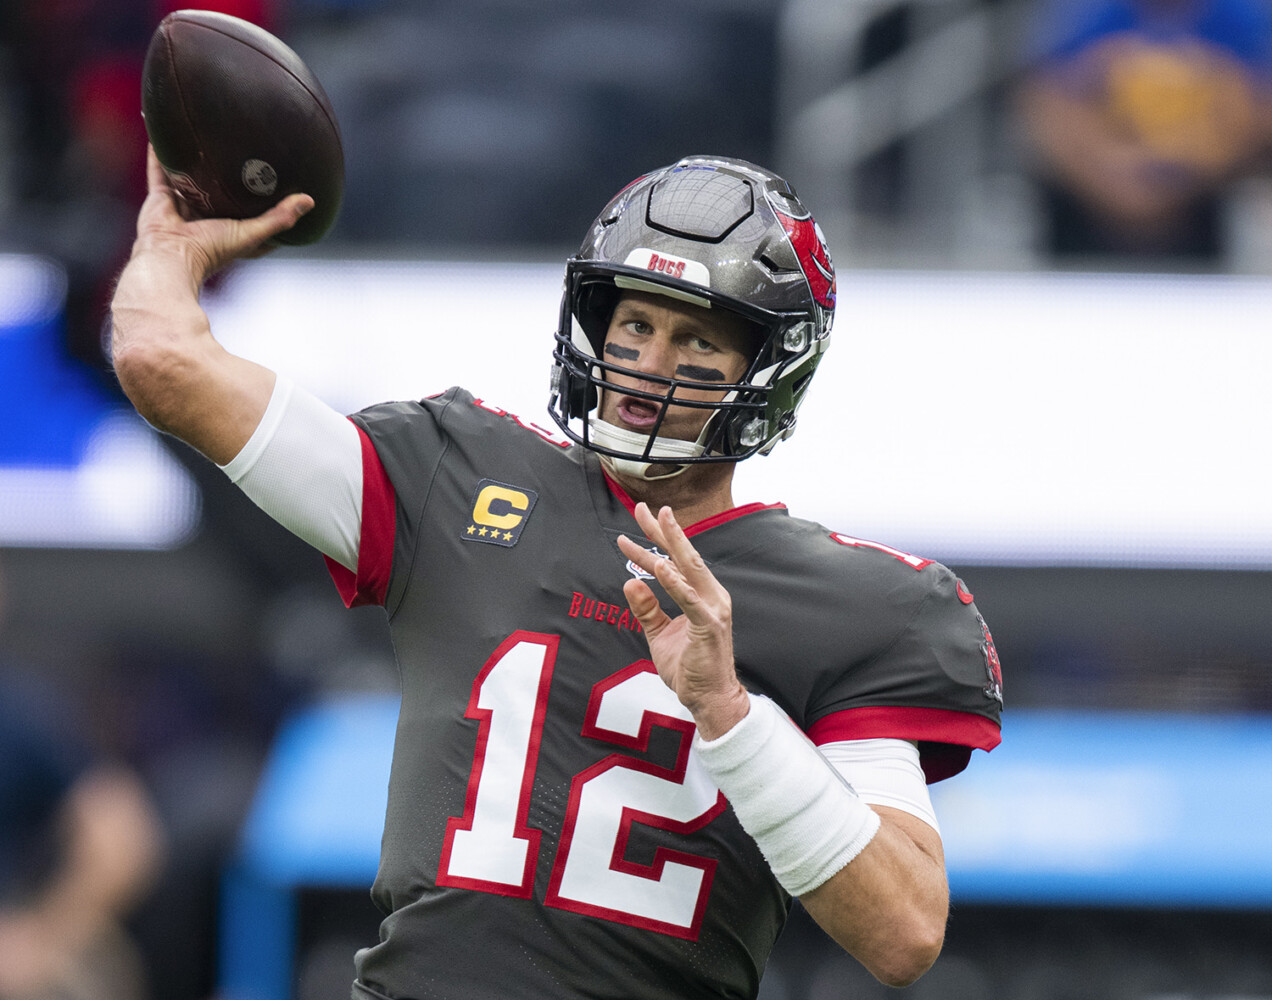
<point>623,353</point>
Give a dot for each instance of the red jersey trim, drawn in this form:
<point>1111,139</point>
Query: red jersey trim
<point>375,547</point>
<point>946,738</point>
<point>729,515</point>
<point>698,526</point>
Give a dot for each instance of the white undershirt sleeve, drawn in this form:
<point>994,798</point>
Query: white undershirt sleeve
<point>884,772</point>
<point>303,467</point>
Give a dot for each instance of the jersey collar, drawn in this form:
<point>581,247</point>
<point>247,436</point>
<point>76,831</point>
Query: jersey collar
<point>698,527</point>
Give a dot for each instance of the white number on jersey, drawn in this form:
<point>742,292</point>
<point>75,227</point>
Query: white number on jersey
<point>491,848</point>
<point>590,875</point>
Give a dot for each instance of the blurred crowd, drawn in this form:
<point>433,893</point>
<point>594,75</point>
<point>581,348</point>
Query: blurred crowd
<point>72,170</point>
<point>1141,115</point>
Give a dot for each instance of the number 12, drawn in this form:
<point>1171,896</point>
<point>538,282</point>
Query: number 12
<point>492,848</point>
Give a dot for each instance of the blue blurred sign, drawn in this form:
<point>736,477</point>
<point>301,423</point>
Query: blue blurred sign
<point>32,371</point>
<point>76,468</point>
<point>1114,808</point>
<point>1083,808</point>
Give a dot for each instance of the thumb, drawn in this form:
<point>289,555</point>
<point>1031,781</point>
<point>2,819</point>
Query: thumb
<point>277,220</point>
<point>645,607</point>
<point>251,238</point>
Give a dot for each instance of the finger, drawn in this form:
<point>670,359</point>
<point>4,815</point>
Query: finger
<point>641,556</point>
<point>664,571</point>
<point>664,530</point>
<point>162,201</point>
<point>156,176</point>
<point>656,531</point>
<point>653,619</point>
<point>676,544</point>
<point>687,597</point>
<point>279,219</point>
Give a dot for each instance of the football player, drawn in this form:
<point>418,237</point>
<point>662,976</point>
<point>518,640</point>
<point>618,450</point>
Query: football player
<point>637,719</point>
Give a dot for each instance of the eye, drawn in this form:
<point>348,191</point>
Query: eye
<point>702,345</point>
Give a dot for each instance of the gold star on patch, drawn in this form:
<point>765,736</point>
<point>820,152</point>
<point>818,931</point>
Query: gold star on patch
<point>472,528</point>
<point>507,536</point>
<point>482,532</point>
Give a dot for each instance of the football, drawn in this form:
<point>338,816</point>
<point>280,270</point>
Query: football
<point>239,122</point>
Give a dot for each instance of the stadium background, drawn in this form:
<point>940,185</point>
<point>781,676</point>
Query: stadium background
<point>1083,444</point>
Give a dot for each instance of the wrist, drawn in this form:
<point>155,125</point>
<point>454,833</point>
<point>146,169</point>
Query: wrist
<point>717,715</point>
<point>807,821</point>
<point>170,260</point>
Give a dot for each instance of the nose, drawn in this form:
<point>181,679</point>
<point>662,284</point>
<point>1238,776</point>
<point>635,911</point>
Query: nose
<point>656,356</point>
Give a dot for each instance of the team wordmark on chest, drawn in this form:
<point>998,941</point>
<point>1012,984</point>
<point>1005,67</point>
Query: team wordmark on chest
<point>618,615</point>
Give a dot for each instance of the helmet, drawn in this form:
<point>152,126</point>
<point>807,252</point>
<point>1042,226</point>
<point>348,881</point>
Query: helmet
<point>720,233</point>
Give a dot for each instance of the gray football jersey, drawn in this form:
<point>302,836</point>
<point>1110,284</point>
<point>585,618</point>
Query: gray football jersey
<point>549,832</point>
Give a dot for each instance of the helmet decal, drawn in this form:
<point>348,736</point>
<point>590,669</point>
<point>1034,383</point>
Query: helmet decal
<point>814,258</point>
<point>670,265</point>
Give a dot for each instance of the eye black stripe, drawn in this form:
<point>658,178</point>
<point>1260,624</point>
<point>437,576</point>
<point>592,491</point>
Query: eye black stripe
<point>622,353</point>
<point>698,374</point>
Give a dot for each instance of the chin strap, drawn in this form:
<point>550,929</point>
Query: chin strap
<point>664,452</point>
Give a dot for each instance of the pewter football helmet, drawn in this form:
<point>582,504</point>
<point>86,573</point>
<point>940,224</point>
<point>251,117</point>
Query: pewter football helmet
<point>724,234</point>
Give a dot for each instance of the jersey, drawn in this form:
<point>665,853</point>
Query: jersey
<point>549,831</point>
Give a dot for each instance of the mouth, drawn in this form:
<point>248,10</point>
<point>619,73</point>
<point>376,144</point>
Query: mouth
<point>638,413</point>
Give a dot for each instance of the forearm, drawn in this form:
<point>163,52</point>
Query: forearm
<point>1102,163</point>
<point>174,372</point>
<point>888,907</point>
<point>886,903</point>
<point>170,367</point>
<point>873,878</point>
<point>1073,140</point>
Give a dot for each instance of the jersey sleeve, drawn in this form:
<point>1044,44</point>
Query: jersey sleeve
<point>402,444</point>
<point>369,583</point>
<point>937,682</point>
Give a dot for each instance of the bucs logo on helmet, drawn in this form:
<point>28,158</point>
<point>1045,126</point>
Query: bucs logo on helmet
<point>993,668</point>
<point>814,259</point>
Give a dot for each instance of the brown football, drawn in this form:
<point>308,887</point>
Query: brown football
<point>239,122</point>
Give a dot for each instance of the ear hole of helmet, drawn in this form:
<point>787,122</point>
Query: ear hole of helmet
<point>595,305</point>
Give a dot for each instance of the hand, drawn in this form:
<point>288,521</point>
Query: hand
<point>207,245</point>
<point>32,961</point>
<point>693,653</point>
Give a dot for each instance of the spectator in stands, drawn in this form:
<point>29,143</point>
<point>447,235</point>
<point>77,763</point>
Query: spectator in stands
<point>80,844</point>
<point>1140,113</point>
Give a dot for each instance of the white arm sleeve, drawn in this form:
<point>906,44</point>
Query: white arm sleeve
<point>303,467</point>
<point>885,773</point>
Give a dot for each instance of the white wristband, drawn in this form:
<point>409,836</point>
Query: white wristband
<point>808,822</point>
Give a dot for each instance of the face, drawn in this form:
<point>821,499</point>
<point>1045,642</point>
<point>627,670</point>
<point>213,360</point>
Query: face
<point>658,335</point>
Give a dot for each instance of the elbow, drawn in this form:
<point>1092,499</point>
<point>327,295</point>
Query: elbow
<point>144,372</point>
<point>158,345</point>
<point>909,956</point>
<point>157,373</point>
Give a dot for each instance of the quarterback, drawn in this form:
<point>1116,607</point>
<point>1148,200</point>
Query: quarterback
<point>638,719</point>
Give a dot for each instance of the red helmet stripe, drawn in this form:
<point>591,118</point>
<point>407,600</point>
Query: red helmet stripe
<point>814,258</point>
